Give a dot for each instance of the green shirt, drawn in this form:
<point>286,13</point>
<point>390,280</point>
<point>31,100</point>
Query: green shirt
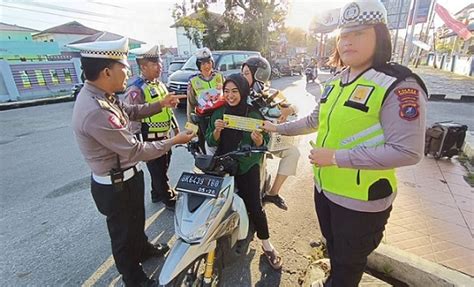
<point>245,162</point>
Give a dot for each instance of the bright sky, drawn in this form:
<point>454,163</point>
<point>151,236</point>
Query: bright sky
<point>145,20</point>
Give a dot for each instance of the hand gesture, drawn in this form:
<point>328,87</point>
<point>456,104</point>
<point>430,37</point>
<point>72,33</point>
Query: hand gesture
<point>183,137</point>
<point>322,156</point>
<point>257,138</point>
<point>219,125</point>
<point>171,100</point>
<point>269,126</point>
<point>284,113</point>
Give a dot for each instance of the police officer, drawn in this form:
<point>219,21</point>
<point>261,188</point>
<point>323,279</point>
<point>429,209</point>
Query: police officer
<point>204,93</point>
<point>257,71</point>
<point>370,120</point>
<point>101,124</point>
<point>147,88</point>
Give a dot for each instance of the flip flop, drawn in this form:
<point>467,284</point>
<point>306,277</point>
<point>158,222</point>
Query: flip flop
<point>273,259</point>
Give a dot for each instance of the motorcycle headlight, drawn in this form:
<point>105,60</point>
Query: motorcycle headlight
<point>218,203</point>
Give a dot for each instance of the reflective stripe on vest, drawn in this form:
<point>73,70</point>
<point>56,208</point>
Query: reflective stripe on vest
<point>349,118</point>
<point>160,122</point>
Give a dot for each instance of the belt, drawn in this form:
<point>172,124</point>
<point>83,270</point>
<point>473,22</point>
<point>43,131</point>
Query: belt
<point>155,136</point>
<point>127,174</point>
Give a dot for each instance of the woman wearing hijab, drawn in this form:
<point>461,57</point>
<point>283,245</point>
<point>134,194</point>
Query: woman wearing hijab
<point>236,91</point>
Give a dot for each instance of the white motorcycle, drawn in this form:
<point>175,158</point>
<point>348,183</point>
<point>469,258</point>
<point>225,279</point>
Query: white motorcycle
<point>210,220</point>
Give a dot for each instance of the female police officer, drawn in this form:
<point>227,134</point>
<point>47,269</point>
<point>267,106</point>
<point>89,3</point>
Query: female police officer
<point>370,120</point>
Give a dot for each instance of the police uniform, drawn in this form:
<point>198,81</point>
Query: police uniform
<point>197,86</point>
<point>101,124</point>
<point>155,127</point>
<point>376,123</point>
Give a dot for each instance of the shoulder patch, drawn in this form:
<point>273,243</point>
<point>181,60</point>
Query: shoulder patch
<point>134,94</point>
<point>408,98</point>
<point>115,122</point>
<point>407,94</point>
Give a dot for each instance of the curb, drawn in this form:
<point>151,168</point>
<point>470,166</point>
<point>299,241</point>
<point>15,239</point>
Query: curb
<point>36,102</point>
<point>414,270</point>
<point>444,98</point>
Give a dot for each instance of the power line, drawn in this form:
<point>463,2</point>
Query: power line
<point>50,13</point>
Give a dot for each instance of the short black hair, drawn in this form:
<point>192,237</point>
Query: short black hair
<point>383,48</point>
<point>93,66</point>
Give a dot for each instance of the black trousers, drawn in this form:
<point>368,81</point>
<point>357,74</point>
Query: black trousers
<point>249,190</point>
<point>203,124</point>
<point>158,169</point>
<point>351,236</point>
<point>125,214</point>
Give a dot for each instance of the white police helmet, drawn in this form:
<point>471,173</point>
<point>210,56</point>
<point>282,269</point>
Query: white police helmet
<point>203,55</point>
<point>361,14</point>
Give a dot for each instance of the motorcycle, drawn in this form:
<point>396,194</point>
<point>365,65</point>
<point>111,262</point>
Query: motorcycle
<point>211,221</point>
<point>311,74</point>
<point>275,73</point>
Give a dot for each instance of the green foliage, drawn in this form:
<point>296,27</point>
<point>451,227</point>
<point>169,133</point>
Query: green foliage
<point>245,24</point>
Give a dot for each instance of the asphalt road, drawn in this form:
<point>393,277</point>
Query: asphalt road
<point>52,235</point>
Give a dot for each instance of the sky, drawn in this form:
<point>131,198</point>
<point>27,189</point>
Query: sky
<point>144,20</point>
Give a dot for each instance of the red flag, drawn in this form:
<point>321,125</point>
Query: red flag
<point>457,26</point>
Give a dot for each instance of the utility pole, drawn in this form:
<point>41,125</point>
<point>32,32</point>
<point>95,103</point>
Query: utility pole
<point>394,50</point>
<point>430,23</point>
<point>412,31</point>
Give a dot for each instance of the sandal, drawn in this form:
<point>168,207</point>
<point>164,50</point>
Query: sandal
<point>273,259</point>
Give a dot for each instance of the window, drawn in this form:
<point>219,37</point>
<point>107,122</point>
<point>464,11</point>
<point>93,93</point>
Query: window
<point>54,77</point>
<point>239,59</point>
<point>25,79</point>
<point>40,77</point>
<point>226,63</point>
<point>67,76</point>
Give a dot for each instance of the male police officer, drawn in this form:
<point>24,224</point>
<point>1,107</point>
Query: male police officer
<point>204,93</point>
<point>148,89</point>
<point>101,124</point>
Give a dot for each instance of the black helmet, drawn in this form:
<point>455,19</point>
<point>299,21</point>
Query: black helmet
<point>203,55</point>
<point>260,68</point>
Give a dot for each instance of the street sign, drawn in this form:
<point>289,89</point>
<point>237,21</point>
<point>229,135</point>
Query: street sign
<point>422,12</point>
<point>397,13</point>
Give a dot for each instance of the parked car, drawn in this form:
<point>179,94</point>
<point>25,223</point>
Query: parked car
<point>175,65</point>
<point>283,65</point>
<point>227,62</point>
<point>75,90</point>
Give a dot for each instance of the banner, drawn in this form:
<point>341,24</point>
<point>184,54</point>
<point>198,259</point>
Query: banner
<point>457,26</point>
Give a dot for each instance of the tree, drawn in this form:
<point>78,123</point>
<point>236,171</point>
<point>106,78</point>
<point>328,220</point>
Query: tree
<point>245,24</point>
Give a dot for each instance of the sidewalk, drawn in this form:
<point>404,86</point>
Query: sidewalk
<point>443,85</point>
<point>433,214</point>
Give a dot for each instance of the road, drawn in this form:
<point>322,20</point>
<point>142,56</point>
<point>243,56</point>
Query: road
<point>52,234</point>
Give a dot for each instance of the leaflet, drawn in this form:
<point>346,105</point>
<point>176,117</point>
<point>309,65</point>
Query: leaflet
<point>242,123</point>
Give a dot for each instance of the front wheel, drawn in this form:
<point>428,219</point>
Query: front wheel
<point>193,275</point>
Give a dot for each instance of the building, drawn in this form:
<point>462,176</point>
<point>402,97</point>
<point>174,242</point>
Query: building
<point>17,45</point>
<point>65,34</point>
<point>452,52</point>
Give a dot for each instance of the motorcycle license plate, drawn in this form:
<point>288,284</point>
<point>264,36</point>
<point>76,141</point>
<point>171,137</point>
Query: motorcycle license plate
<point>201,184</point>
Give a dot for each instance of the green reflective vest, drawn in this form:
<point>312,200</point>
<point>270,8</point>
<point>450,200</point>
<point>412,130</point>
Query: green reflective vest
<point>209,95</point>
<point>161,122</point>
<point>349,118</point>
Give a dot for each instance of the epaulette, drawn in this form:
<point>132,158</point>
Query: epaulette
<point>103,104</point>
<point>401,73</point>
